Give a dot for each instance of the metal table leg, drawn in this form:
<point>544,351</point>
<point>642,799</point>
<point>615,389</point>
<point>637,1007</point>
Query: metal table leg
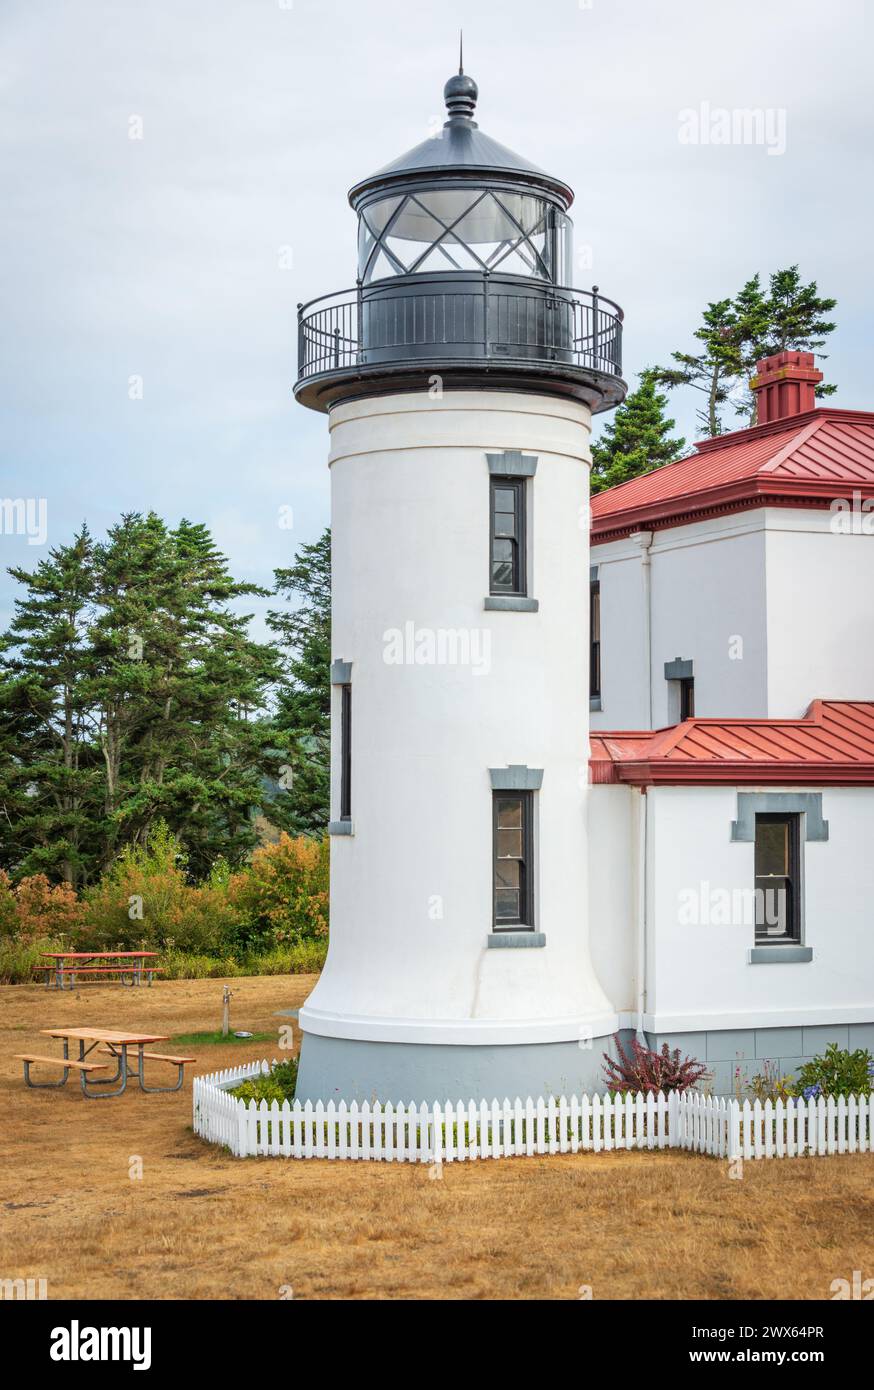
<point>48,1085</point>
<point>104,1095</point>
<point>155,1089</point>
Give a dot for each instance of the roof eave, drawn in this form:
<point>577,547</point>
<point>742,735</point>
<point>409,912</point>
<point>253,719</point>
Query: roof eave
<point>742,772</point>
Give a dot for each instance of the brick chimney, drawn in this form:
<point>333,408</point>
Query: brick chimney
<point>784,386</point>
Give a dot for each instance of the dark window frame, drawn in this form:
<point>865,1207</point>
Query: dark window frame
<point>792,880</point>
<point>687,697</point>
<point>594,642</point>
<point>525,921</point>
<point>346,752</point>
<point>519,585</point>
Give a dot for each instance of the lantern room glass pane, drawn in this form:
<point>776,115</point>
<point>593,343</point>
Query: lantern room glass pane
<point>465,229</point>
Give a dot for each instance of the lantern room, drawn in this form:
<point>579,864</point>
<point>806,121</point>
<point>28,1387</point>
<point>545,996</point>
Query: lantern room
<point>465,257</point>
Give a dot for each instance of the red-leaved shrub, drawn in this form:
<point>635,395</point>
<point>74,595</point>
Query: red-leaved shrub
<point>644,1070</point>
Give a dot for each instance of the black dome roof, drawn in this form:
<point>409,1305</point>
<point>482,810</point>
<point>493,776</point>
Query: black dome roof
<point>463,151</point>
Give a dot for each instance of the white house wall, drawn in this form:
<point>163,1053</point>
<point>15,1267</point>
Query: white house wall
<point>614,866</point>
<point>772,606</point>
<point>820,612</point>
<point>701,991</point>
<point>708,606</point>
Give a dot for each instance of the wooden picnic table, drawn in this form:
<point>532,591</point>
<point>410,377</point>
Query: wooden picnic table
<point>116,1043</point>
<point>68,964</point>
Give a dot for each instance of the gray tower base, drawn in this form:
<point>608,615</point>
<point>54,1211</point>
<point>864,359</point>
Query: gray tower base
<point>345,1069</point>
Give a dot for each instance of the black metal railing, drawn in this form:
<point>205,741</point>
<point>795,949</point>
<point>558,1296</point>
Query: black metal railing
<point>462,317</point>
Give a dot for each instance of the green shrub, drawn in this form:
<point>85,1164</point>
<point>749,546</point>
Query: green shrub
<point>144,898</point>
<point>279,1084</point>
<point>281,897</point>
<point>837,1072</point>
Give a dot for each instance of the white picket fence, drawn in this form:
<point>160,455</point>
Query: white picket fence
<point>456,1131</point>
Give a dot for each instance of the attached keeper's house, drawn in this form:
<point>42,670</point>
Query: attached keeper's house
<point>731,822</point>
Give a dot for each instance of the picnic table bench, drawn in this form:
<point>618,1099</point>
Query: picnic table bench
<point>67,965</point>
<point>111,1041</point>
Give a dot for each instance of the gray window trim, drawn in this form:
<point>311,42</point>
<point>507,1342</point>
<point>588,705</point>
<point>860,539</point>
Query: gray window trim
<point>512,464</point>
<point>780,955</point>
<point>516,778</point>
<point>679,670</point>
<point>751,804</point>
<point>341,672</point>
<point>510,603</point>
<point>515,940</point>
<point>340,827</point>
<point>594,703</point>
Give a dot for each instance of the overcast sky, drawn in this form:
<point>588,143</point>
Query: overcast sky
<point>160,257</point>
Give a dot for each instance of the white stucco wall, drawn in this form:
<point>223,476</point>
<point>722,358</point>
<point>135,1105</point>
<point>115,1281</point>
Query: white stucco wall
<point>612,826</point>
<point>820,612</point>
<point>411,889</point>
<point>699,975</point>
<point>771,606</point>
<point>708,606</point>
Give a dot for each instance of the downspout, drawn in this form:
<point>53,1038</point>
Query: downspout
<point>641,913</point>
<point>644,539</point>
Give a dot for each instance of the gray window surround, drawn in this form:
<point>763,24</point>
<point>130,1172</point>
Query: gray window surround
<point>751,804</point>
<point>515,940</point>
<point>780,955</point>
<point>341,672</point>
<point>679,670</point>
<point>594,703</point>
<point>510,603</point>
<point>512,464</point>
<point>340,827</point>
<point>807,805</point>
<point>516,777</point>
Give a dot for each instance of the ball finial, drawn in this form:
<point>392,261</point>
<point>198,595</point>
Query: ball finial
<point>460,94</point>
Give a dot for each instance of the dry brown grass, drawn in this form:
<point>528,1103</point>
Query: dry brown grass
<point>201,1224</point>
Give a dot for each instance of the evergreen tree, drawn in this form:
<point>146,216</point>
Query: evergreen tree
<point>714,369</point>
<point>49,784</point>
<point>303,712</point>
<point>132,692</point>
<point>736,333</point>
<point>636,440</point>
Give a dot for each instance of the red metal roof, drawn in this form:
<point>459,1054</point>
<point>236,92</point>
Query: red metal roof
<point>806,460</point>
<point>833,745</point>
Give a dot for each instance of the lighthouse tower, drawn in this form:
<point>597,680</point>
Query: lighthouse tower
<point>459,377</point>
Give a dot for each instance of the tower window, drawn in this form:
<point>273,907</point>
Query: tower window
<point>595,639</point>
<point>345,752</point>
<point>513,866</point>
<point>687,698</point>
<point>507,536</point>
<point>778,916</point>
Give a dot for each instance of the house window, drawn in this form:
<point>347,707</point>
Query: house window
<point>594,639</point>
<point>778,916</point>
<point>345,752</point>
<point>513,867</point>
<point>507,536</point>
<point>687,698</point>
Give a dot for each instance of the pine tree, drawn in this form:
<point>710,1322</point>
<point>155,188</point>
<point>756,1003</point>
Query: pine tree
<point>736,333</point>
<point>636,440</point>
<point>715,368</point>
<point>132,693</point>
<point>303,712</point>
<point>49,782</point>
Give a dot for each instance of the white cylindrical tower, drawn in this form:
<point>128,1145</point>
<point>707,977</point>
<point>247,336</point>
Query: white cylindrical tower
<point>460,378</point>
